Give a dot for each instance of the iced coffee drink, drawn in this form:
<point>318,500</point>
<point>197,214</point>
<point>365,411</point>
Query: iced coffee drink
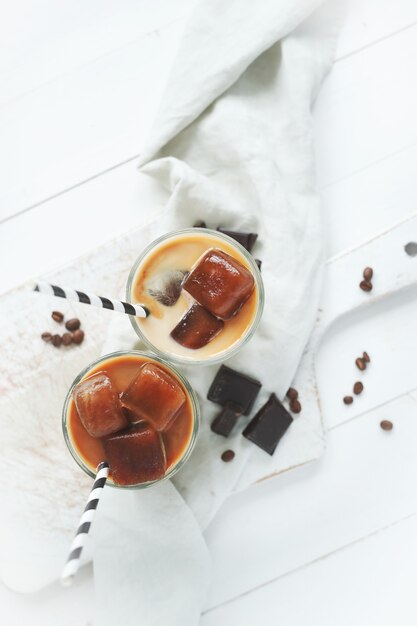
<point>204,293</point>
<point>134,411</point>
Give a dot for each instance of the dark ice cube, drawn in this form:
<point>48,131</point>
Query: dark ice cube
<point>220,283</point>
<point>269,425</point>
<point>98,405</point>
<point>166,287</point>
<point>196,328</point>
<point>135,455</point>
<point>230,386</point>
<point>155,396</point>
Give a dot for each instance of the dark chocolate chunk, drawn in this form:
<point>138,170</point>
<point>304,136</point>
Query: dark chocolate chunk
<point>247,240</point>
<point>230,386</point>
<point>269,425</point>
<point>225,421</point>
<point>196,328</point>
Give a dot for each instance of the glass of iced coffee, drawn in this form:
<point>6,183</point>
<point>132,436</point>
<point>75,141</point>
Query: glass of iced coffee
<point>135,411</point>
<point>204,292</point>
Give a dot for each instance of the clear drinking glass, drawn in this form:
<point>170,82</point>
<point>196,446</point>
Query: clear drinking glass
<point>149,358</point>
<point>193,358</point>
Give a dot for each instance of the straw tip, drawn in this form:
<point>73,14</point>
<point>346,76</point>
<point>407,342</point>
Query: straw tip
<point>102,465</point>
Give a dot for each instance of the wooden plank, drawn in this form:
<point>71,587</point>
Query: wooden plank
<point>370,582</point>
<point>89,120</point>
<point>365,110</point>
<point>364,482</point>
<point>366,23</point>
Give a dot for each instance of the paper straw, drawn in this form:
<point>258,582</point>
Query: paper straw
<point>89,298</point>
<point>78,543</point>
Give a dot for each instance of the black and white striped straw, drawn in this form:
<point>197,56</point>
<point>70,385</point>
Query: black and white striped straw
<point>88,298</point>
<point>78,543</point>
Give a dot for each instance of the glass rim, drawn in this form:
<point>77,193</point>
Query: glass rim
<point>237,345</point>
<point>194,404</point>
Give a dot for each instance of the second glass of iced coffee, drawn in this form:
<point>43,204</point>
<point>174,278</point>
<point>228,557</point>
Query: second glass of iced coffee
<point>204,292</point>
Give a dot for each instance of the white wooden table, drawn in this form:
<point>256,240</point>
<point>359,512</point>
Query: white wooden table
<point>331,543</point>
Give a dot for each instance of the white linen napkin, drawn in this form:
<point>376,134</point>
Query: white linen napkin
<point>232,144</point>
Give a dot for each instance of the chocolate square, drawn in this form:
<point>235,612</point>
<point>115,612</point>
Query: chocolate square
<point>230,386</point>
<point>225,421</point>
<point>247,240</point>
<point>269,425</point>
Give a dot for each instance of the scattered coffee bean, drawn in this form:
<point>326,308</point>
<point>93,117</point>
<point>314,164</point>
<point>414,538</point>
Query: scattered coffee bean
<point>57,316</point>
<point>227,456</point>
<point>386,425</point>
<point>292,393</point>
<point>56,340</point>
<point>357,388</point>
<point>366,357</point>
<point>200,224</point>
<point>348,399</point>
<point>360,364</point>
<point>67,339</point>
<point>258,263</point>
<point>368,272</point>
<point>365,285</point>
<point>78,336</point>
<point>46,336</point>
<point>295,406</point>
<point>73,324</point>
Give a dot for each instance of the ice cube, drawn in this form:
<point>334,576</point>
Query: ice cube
<point>98,405</point>
<point>196,328</point>
<point>135,455</point>
<point>220,283</point>
<point>155,396</point>
<point>166,286</point>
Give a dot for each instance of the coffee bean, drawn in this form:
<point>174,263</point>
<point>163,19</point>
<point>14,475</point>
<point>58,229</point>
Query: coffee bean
<point>368,272</point>
<point>360,364</point>
<point>348,399</point>
<point>365,285</point>
<point>73,324</point>
<point>46,336</point>
<point>292,393</point>
<point>227,456</point>
<point>56,340</point>
<point>366,357</point>
<point>78,336</point>
<point>295,406</point>
<point>66,339</point>
<point>57,316</point>
<point>200,224</point>
<point>357,388</point>
<point>386,425</point>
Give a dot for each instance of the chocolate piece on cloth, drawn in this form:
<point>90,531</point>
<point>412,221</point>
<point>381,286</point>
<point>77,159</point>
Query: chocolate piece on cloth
<point>269,425</point>
<point>247,240</point>
<point>196,328</point>
<point>235,388</point>
<point>226,420</point>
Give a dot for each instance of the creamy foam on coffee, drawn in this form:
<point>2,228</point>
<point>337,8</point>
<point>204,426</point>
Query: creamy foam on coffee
<point>180,254</point>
